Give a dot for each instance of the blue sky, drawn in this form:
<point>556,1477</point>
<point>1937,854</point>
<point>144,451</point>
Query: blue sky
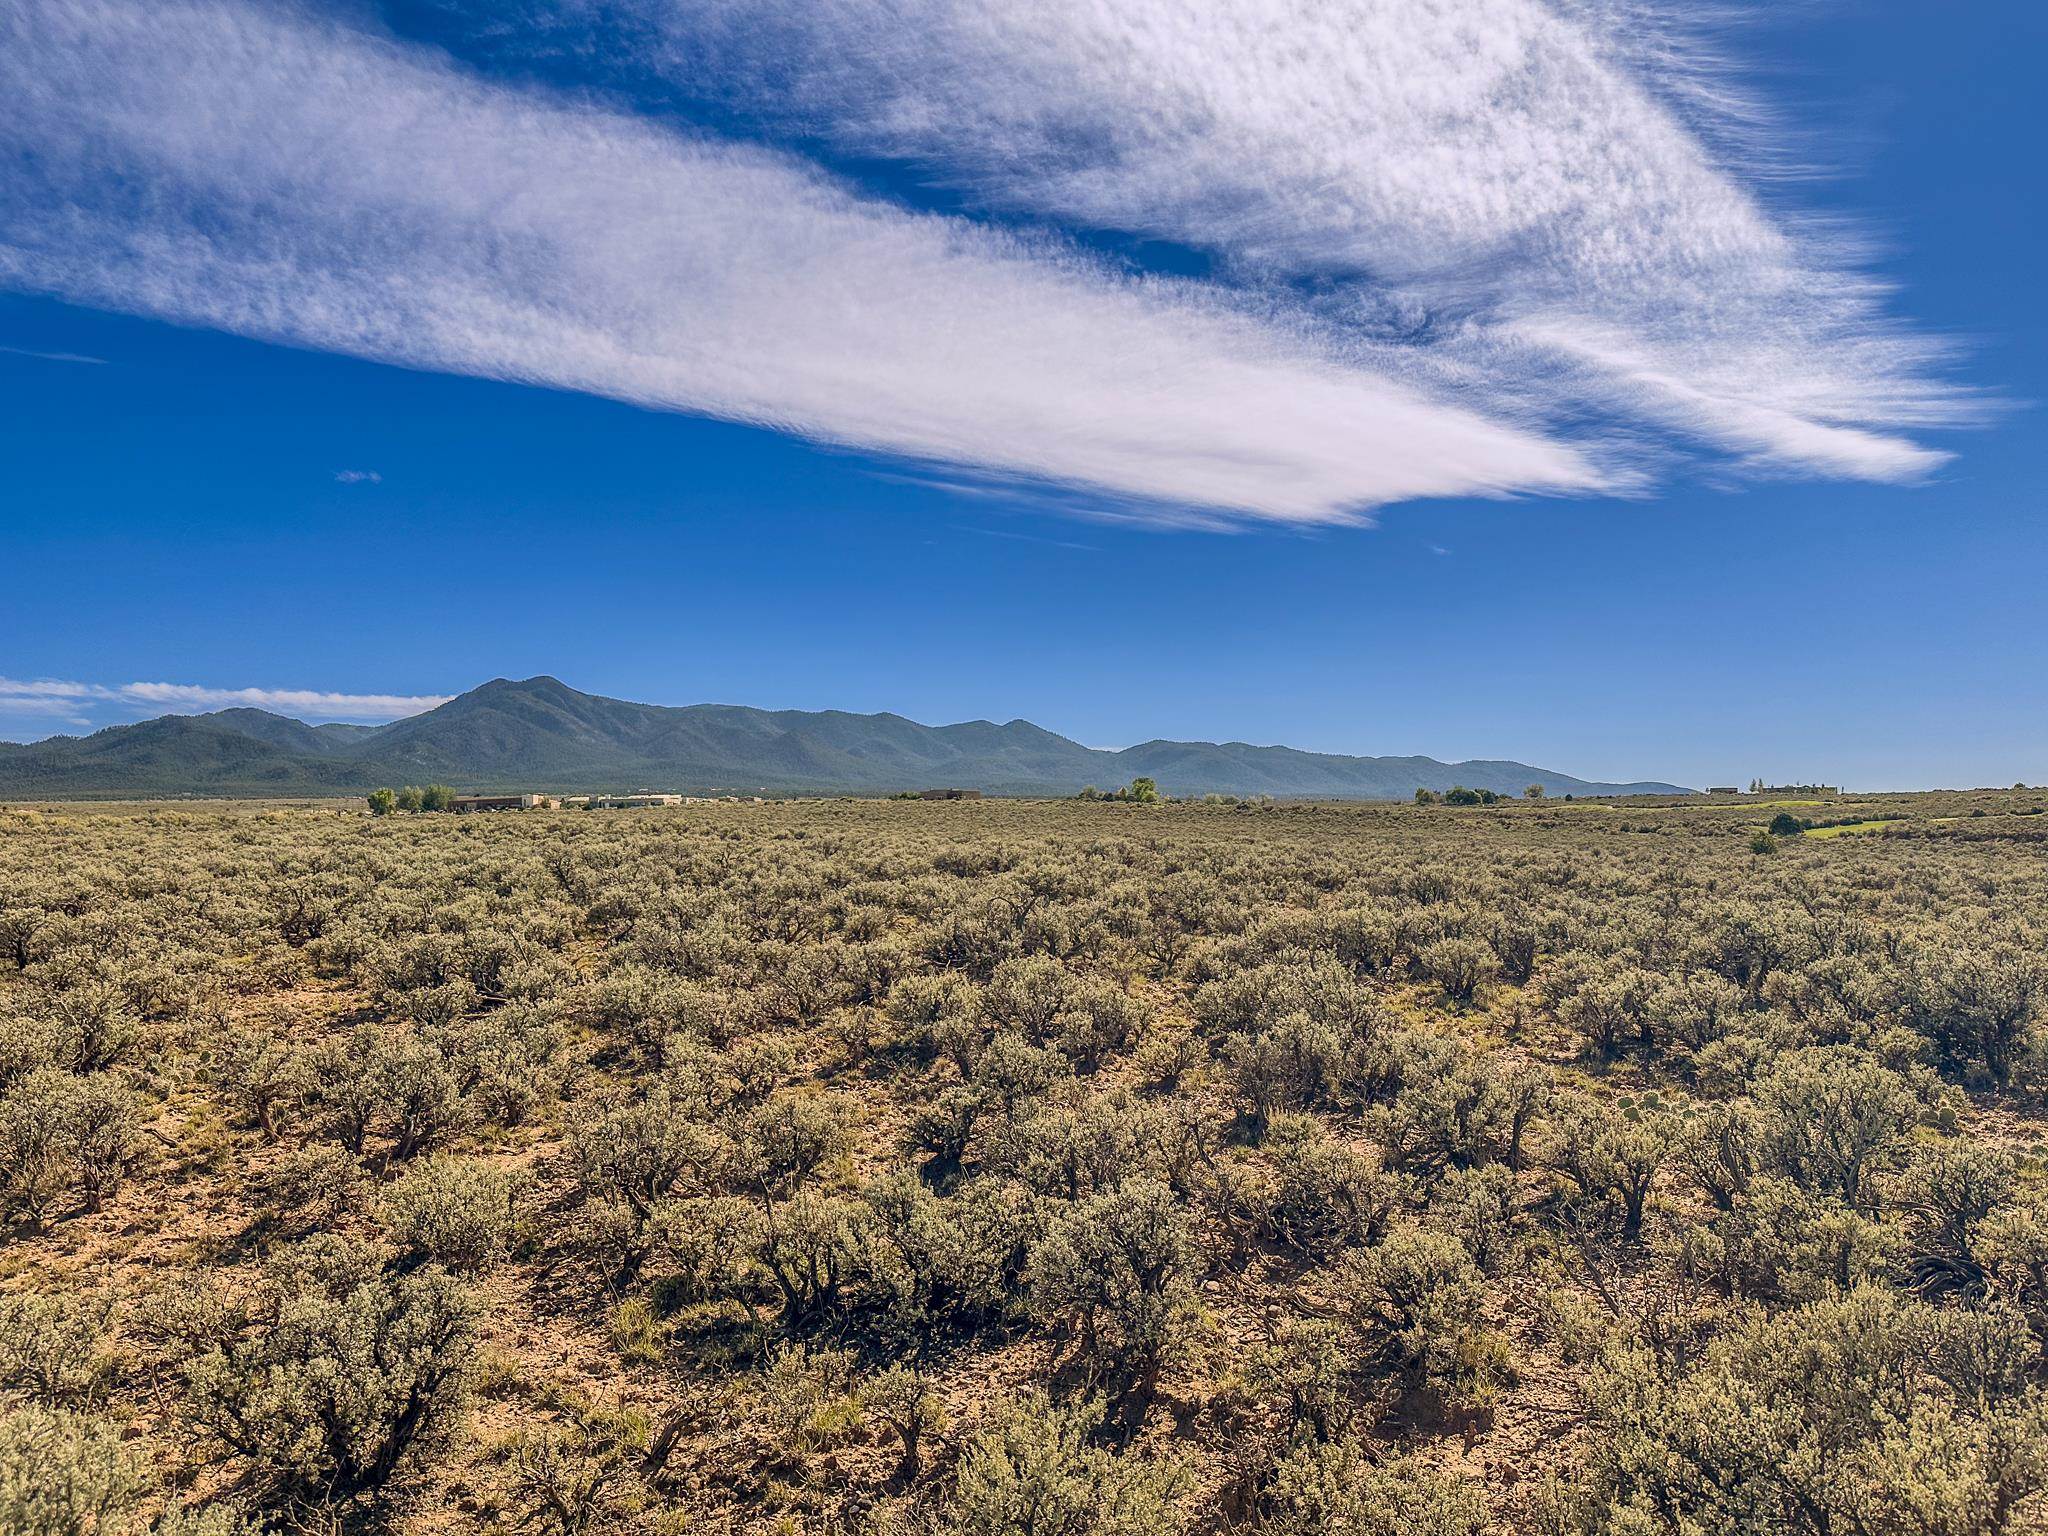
<point>1173,436</point>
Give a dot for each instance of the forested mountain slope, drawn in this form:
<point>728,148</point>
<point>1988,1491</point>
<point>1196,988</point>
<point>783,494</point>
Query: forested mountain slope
<point>541,734</point>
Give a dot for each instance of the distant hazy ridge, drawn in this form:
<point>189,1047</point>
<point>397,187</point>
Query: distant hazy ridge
<point>541,734</point>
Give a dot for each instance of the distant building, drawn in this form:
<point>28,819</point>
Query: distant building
<point>465,804</point>
<point>1724,789</point>
<point>641,800</point>
<point>949,794</point>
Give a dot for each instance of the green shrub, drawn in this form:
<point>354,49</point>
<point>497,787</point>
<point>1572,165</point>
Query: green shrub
<point>260,1073</point>
<point>63,1474</point>
<point>63,1136</point>
<point>571,1483</point>
<point>1035,1472</point>
<point>1113,1275</point>
<point>1460,966</point>
<point>1861,1411</point>
<point>458,1212</point>
<point>1833,1118</point>
<point>1611,1156</point>
<point>1413,1307</point>
<point>334,1372</point>
<point>1340,1489</point>
<point>53,1347</point>
<point>1324,1196</point>
<point>317,1185</point>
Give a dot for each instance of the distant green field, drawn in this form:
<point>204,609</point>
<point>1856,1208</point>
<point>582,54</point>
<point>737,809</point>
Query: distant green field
<point>1855,826</point>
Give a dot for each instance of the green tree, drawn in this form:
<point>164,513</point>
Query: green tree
<point>410,797</point>
<point>382,802</point>
<point>1533,792</point>
<point>437,797</point>
<point>1425,796</point>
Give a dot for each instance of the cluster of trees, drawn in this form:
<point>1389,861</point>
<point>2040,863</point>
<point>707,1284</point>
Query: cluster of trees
<point>1330,1171</point>
<point>1140,791</point>
<point>1458,794</point>
<point>411,799</point>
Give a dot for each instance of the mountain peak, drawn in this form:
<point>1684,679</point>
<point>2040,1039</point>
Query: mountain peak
<point>540,682</point>
<point>500,691</point>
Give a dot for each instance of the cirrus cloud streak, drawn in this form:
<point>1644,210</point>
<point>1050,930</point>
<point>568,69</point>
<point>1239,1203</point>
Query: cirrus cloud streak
<point>1568,197</point>
<point>286,177</point>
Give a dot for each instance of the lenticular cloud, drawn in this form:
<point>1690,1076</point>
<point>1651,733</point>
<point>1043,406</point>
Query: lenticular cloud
<point>1441,230</point>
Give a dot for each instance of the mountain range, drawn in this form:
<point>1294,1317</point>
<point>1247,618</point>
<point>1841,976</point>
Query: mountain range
<point>542,735</point>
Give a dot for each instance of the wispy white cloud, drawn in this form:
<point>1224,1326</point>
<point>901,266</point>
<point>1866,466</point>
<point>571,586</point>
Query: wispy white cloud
<point>46,688</point>
<point>287,178</point>
<point>1449,234</point>
<point>1026,538</point>
<point>1568,198</point>
<point>358,477</point>
<point>79,702</point>
<point>54,357</point>
<point>308,701</point>
<point>43,710</point>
